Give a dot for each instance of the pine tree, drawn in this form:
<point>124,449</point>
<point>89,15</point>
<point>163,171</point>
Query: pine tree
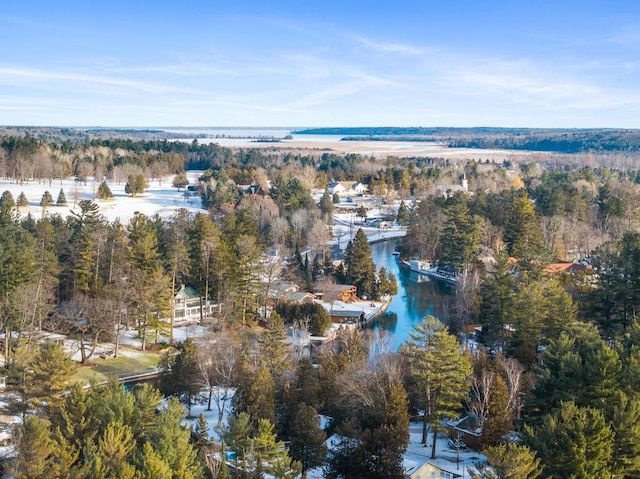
<point>104,192</point>
<point>307,439</point>
<point>403,214</point>
<point>460,237</point>
<point>6,201</point>
<point>35,449</point>
<point>49,374</point>
<point>62,199</point>
<point>509,461</point>
<point>200,432</point>
<point>326,207</point>
<point>88,227</point>
<point>237,435</point>
<point>255,394</point>
<point>22,200</point>
<point>573,442</point>
<point>183,378</point>
<point>274,350</point>
<point>223,472</point>
<point>499,421</point>
<point>153,465</point>
<point>625,424</point>
<point>360,268</point>
<point>47,200</point>
<point>441,371</point>
<point>114,449</point>
<point>171,440</point>
<point>522,229</point>
<point>495,306</point>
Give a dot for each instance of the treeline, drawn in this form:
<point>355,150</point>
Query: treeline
<point>552,140</point>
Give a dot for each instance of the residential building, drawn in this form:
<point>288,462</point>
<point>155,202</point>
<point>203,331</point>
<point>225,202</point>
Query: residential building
<point>189,305</point>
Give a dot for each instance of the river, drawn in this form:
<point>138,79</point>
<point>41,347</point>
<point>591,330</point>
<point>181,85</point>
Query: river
<point>414,300</point>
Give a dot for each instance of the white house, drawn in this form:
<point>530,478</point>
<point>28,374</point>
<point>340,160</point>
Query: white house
<point>346,188</point>
<point>188,305</point>
<point>450,190</point>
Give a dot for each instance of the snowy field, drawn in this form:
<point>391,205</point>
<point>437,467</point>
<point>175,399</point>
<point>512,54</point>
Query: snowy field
<point>159,197</point>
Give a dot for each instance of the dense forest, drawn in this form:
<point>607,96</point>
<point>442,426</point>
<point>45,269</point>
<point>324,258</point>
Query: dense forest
<point>552,377</point>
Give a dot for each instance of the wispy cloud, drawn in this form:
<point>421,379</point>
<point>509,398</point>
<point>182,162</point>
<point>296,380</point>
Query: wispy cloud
<point>525,81</point>
<point>184,69</point>
<point>383,48</point>
<point>41,76</point>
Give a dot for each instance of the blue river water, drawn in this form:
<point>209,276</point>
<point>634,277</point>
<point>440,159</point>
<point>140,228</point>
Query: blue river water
<point>414,300</point>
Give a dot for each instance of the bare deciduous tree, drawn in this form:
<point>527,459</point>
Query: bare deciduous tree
<point>217,362</point>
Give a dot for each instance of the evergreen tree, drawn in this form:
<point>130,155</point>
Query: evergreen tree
<point>183,378</point>
<point>307,439</point>
<point>6,201</point>
<point>326,207</point>
<point>47,200</point>
<point>360,268</point>
<point>153,465</point>
<point>200,431</point>
<point>62,199</point>
<point>441,372</point>
<point>104,192</point>
<point>522,229</point>
<point>22,200</point>
<point>274,350</point>
<point>499,421</point>
<point>48,375</point>
<point>136,184</point>
<point>386,285</point>
<point>35,450</point>
<point>508,461</point>
<point>496,295</point>
<point>150,299</point>
<point>87,240</point>
<point>625,423</point>
<point>171,440</point>
<point>461,237</point>
<point>223,472</point>
<point>255,394</point>
<point>402,217</point>
<point>336,199</point>
<point>237,435</point>
<point>114,452</point>
<point>573,442</point>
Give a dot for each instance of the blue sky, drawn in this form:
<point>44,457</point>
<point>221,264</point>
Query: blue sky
<point>320,63</point>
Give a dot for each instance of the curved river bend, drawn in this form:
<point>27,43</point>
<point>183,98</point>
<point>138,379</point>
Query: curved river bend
<point>414,300</point>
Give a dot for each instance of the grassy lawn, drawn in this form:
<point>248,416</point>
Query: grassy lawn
<point>101,369</point>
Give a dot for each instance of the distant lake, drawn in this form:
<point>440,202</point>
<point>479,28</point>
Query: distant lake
<point>414,300</point>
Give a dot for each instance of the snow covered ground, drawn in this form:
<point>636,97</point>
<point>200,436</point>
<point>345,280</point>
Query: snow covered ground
<point>416,454</point>
<point>159,197</point>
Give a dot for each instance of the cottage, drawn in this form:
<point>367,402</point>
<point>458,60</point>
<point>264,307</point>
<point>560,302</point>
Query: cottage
<point>188,305</point>
<point>251,190</point>
<point>426,470</point>
<point>467,429</point>
<point>341,292</point>
<point>346,188</point>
